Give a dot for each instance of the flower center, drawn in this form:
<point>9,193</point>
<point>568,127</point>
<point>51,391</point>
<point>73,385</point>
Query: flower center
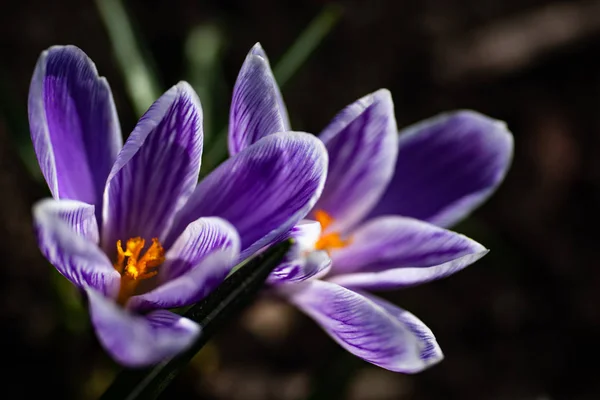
<point>328,241</point>
<point>134,268</point>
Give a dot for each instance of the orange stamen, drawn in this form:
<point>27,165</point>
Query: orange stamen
<point>134,268</point>
<point>328,241</point>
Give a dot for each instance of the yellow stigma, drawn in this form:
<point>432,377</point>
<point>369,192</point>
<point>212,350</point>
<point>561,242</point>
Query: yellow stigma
<point>134,268</point>
<point>328,241</point>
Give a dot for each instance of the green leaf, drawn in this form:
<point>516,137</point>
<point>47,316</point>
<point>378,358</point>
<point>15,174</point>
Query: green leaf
<point>306,43</point>
<point>203,49</point>
<point>139,78</point>
<point>211,313</point>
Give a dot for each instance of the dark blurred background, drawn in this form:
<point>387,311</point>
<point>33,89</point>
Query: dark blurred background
<point>520,324</point>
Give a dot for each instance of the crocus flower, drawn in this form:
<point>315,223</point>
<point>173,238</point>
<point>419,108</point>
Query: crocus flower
<point>130,225</point>
<point>380,222</point>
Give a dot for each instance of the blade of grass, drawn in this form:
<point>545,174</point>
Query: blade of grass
<point>203,48</point>
<point>211,313</point>
<point>140,80</point>
<point>306,43</point>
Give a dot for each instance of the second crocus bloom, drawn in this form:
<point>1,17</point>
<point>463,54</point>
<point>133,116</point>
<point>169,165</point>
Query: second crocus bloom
<point>380,222</point>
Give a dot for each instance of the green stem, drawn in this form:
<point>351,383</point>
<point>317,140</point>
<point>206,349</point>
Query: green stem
<point>306,43</point>
<point>211,313</point>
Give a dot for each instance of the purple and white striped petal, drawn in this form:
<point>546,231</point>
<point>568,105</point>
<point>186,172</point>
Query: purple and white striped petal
<point>362,144</point>
<point>191,287</point>
<point>257,108</point>
<point>199,260</point>
<point>400,278</point>
<point>312,265</point>
<point>79,216</point>
<point>447,166</point>
<point>199,239</point>
<point>259,51</point>
<point>394,341</point>
<point>74,125</point>
<point>263,191</point>
<point>301,262</point>
<point>136,340</point>
<point>398,242</point>
<point>157,169</point>
<point>429,350</point>
<point>67,236</point>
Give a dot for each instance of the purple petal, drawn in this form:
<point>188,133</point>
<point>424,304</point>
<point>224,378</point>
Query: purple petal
<point>191,287</point>
<point>447,166</point>
<point>259,51</point>
<point>157,170</point>
<point>399,242</point>
<point>312,265</point>
<point>197,263</point>
<point>139,341</point>
<point>366,329</point>
<point>263,191</point>
<point>301,261</point>
<point>362,143</point>
<point>399,278</point>
<point>67,235</point>
<point>257,108</point>
<point>74,125</point>
<point>199,239</point>
<point>79,216</point>
<point>429,349</point>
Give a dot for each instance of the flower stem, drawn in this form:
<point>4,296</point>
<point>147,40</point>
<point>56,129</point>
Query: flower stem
<point>211,313</point>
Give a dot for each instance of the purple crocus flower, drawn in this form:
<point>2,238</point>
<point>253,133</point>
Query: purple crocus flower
<point>380,221</point>
<point>130,225</point>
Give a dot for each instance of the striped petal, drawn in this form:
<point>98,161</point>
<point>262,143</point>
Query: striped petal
<point>362,143</point>
<point>197,263</point>
<point>157,170</point>
<point>397,242</point>
<point>67,235</point>
<point>447,166</point>
<point>395,340</point>
<point>257,107</point>
<point>301,261</point>
<point>139,341</point>
<point>74,125</point>
<point>263,191</point>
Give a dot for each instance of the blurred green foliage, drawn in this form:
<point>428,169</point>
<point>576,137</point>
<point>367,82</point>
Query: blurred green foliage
<point>136,66</point>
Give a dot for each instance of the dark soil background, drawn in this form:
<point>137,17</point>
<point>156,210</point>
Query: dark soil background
<point>523,323</point>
